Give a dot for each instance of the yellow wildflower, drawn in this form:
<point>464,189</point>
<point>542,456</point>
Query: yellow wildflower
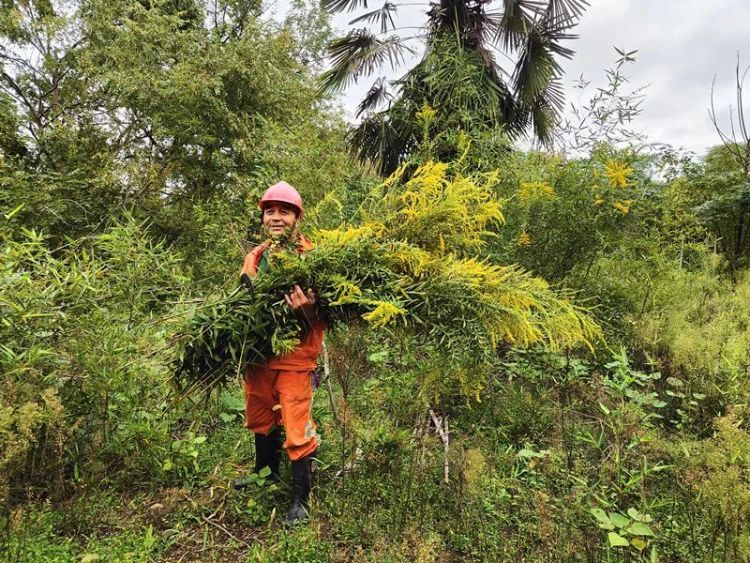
<point>623,206</point>
<point>618,174</point>
<point>598,200</point>
<point>523,239</point>
<point>428,177</point>
<point>383,314</point>
<point>426,113</point>
<point>535,190</point>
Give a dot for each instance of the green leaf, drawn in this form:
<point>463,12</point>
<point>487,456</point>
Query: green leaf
<point>637,516</point>
<point>654,469</point>
<point>265,472</point>
<point>601,516</point>
<point>639,543</point>
<point>640,529</point>
<point>527,453</point>
<point>616,540</point>
<point>233,402</point>
<point>634,514</point>
<point>619,520</point>
<point>226,417</point>
<point>605,410</point>
<point>168,464</point>
<point>16,210</point>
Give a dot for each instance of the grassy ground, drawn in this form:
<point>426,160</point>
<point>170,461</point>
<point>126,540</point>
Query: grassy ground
<point>526,466</point>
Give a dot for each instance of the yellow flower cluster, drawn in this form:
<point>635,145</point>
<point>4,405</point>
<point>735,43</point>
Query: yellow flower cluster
<point>439,210</point>
<point>618,174</point>
<point>426,113</point>
<point>523,238</point>
<point>383,314</point>
<point>531,191</point>
<point>623,206</point>
<point>618,177</point>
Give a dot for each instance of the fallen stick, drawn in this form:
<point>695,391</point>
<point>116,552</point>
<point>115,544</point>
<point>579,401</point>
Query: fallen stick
<point>227,532</point>
<point>444,436</point>
<point>329,387</point>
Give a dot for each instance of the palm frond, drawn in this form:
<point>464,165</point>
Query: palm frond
<point>341,5</point>
<point>555,30</point>
<point>554,96</point>
<point>375,96</point>
<point>543,119</point>
<point>360,53</point>
<point>566,10</point>
<point>512,25</point>
<point>536,67</point>
<point>383,140</point>
<point>383,16</point>
<point>459,76</point>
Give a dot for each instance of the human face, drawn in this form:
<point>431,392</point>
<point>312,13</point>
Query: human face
<point>278,217</point>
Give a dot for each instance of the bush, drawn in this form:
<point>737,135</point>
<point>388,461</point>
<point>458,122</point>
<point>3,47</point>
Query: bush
<point>82,359</point>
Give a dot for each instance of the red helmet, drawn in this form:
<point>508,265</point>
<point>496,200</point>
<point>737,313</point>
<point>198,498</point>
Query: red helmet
<point>282,193</point>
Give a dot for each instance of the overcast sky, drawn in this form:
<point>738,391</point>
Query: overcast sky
<point>682,46</point>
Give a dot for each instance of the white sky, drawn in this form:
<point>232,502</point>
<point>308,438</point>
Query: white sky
<point>682,46</point>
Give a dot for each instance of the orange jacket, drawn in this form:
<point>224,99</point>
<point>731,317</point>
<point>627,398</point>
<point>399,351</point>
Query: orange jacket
<point>305,356</point>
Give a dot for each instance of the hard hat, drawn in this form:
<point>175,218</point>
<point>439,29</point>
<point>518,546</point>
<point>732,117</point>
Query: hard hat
<point>282,193</point>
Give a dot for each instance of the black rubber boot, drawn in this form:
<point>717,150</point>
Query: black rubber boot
<point>301,485</point>
<point>267,454</point>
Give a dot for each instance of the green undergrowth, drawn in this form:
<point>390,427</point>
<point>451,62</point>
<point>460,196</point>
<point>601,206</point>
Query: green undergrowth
<point>587,464</point>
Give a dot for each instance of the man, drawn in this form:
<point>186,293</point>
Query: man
<point>279,393</point>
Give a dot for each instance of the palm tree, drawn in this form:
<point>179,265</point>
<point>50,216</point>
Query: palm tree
<point>458,74</point>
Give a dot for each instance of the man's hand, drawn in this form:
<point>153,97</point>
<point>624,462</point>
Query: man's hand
<point>301,303</point>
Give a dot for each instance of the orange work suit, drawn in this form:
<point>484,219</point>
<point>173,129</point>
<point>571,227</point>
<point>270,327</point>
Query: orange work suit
<point>280,392</point>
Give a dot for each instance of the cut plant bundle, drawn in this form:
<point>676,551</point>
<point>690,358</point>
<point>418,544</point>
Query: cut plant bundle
<point>405,271</point>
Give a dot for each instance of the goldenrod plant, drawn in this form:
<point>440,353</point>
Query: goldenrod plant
<point>411,268</point>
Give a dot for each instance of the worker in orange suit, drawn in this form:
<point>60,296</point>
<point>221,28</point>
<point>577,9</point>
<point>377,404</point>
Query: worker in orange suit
<point>279,393</point>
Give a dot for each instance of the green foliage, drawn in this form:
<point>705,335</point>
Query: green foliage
<point>409,269</point>
<point>458,75</point>
<point>701,335</point>
<point>717,472</point>
<point>564,214</point>
<point>158,108</point>
<point>459,421</point>
<point>718,191</point>
<point>78,351</point>
<point>624,531</point>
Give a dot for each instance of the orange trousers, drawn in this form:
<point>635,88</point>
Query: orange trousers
<point>278,397</point>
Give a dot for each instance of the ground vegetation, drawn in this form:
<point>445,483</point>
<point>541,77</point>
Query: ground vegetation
<point>601,415</point>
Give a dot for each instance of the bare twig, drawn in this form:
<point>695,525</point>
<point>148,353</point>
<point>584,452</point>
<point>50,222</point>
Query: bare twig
<point>233,233</point>
<point>441,426</point>
<point>349,465</point>
<point>227,532</point>
<point>329,387</point>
